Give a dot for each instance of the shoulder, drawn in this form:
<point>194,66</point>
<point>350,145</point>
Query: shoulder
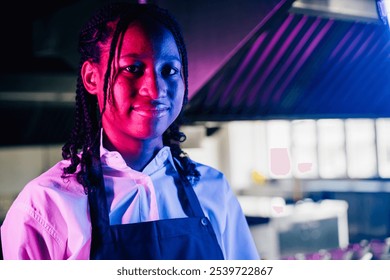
<point>53,180</point>
<point>208,172</point>
<point>45,211</point>
<point>212,178</point>
<point>50,190</point>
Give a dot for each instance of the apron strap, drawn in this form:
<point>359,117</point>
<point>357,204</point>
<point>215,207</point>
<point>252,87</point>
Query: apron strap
<point>191,205</point>
<point>98,201</point>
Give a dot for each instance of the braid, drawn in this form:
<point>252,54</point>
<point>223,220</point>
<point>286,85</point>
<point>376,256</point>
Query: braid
<point>85,134</point>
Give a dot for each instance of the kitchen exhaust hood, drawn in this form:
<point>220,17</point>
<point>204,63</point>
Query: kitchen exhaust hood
<point>302,65</point>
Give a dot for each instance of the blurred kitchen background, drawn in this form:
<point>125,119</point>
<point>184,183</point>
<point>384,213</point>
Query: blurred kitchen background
<point>290,99</point>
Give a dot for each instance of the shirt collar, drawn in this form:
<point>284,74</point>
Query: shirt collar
<point>115,160</point>
<point>163,157</point>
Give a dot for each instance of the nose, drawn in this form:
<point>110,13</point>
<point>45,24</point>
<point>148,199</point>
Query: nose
<point>152,85</point>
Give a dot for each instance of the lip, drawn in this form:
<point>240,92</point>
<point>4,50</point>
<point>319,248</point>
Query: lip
<point>150,110</point>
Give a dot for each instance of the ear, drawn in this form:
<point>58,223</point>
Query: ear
<point>89,74</point>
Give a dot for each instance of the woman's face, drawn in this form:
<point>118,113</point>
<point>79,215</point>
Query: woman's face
<point>147,85</point>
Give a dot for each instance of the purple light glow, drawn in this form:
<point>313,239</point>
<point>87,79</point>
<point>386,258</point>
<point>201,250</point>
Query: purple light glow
<point>353,43</point>
<point>257,44</point>
<point>263,57</point>
<point>264,76</point>
<point>346,38</point>
<point>243,66</point>
<point>303,59</point>
<point>363,47</point>
<point>211,94</point>
<point>291,59</point>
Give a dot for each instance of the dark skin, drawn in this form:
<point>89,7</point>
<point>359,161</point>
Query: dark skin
<point>147,91</point>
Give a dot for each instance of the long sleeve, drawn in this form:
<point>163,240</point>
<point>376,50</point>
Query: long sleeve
<point>48,220</point>
<point>238,240</point>
<point>26,236</point>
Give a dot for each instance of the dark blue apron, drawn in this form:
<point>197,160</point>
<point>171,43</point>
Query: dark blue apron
<point>190,238</point>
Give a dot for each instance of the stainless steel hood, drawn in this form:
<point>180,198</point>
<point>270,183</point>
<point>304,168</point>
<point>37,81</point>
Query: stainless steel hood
<point>296,65</point>
<point>356,10</point>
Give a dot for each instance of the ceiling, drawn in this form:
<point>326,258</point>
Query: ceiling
<point>271,62</point>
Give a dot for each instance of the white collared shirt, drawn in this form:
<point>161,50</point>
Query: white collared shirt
<point>50,217</point>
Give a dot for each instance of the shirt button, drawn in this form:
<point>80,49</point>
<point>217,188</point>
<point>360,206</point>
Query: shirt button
<point>204,221</point>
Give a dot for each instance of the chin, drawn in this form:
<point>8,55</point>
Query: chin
<point>151,134</point>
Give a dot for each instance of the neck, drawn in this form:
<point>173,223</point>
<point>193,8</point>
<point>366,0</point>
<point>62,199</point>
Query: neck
<point>137,153</point>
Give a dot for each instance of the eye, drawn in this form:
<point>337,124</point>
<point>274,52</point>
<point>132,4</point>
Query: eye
<point>135,69</point>
<point>169,71</point>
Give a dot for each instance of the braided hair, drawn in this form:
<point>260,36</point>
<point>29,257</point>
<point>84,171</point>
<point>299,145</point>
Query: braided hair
<point>111,22</point>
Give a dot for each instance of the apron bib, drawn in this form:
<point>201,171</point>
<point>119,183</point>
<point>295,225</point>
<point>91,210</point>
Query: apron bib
<point>190,238</point>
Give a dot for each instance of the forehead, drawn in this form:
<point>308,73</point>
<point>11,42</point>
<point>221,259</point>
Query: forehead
<point>149,38</point>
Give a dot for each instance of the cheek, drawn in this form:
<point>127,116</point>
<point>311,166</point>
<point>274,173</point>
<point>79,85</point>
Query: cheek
<point>179,103</point>
<point>178,100</point>
<point>122,95</point>
<point>179,92</point>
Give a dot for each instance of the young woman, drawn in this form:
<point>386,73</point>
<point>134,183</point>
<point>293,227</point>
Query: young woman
<point>125,189</point>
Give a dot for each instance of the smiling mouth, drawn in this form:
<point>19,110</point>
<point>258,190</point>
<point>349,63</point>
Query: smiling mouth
<point>146,110</point>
